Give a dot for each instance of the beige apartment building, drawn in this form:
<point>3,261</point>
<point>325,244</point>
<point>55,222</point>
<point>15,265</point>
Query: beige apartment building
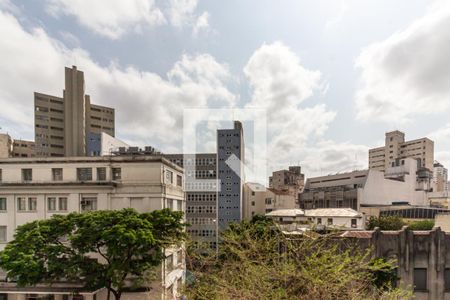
<point>291,180</point>
<point>15,148</point>
<point>397,148</point>
<point>65,126</point>
<point>38,188</point>
<point>259,200</point>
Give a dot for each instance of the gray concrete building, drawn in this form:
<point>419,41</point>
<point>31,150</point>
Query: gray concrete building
<point>403,183</point>
<point>15,148</point>
<point>423,258</point>
<point>201,195</point>
<point>64,126</point>
<point>230,172</point>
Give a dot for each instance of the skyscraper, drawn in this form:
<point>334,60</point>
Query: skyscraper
<point>230,172</point>
<point>65,126</point>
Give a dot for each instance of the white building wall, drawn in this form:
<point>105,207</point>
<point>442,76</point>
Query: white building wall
<point>381,191</point>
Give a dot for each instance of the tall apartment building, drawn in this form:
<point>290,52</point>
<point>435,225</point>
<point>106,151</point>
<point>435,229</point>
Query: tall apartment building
<point>397,148</point>
<point>440,178</point>
<point>201,195</point>
<point>230,172</point>
<point>65,126</point>
<point>38,188</point>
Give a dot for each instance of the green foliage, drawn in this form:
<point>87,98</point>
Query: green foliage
<point>386,223</point>
<point>422,225</point>
<point>99,248</point>
<point>256,261</point>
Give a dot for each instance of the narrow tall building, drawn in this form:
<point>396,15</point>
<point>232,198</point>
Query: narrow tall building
<point>65,126</point>
<point>230,172</point>
<point>396,147</point>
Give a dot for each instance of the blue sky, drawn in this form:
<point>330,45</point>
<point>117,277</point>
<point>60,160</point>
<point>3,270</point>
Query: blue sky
<point>334,75</point>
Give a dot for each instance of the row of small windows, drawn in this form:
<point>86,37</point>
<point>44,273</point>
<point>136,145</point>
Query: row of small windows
<point>201,221</point>
<point>83,174</point>
<point>193,209</point>
<point>201,197</point>
<point>201,232</point>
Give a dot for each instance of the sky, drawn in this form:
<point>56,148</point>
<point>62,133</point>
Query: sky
<point>333,76</point>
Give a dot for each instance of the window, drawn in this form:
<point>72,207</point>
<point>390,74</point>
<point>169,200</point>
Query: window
<point>62,202</point>
<point>51,203</point>
<point>84,174</point>
<point>253,203</point>
<point>354,223</point>
<point>116,173</point>
<point>169,176</point>
<point>447,280</point>
<point>420,279</point>
<point>268,201</point>
<point>2,234</point>
<point>319,221</point>
<point>32,204</point>
<point>2,204</point>
<point>330,221</point>
<point>101,174</point>
<point>21,203</point>
<point>57,174</point>
<point>27,175</point>
<point>0,175</point>
<point>179,180</point>
<point>88,204</point>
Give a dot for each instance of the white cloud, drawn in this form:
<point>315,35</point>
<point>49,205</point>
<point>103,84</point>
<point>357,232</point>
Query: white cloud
<point>407,74</point>
<point>202,24</point>
<point>110,18</point>
<point>149,107</point>
<point>281,84</point>
<point>114,18</point>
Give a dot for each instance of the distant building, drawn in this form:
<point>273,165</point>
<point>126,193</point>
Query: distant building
<point>15,148</point>
<point>331,218</point>
<point>405,183</point>
<point>38,188</point>
<point>201,195</point>
<point>396,147</point>
<point>259,200</point>
<point>230,172</point>
<point>440,178</point>
<point>101,144</point>
<point>64,126</point>
<point>292,180</point>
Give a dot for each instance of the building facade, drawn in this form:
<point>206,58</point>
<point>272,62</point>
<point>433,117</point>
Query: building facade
<point>201,195</point>
<point>440,178</point>
<point>259,200</point>
<point>291,180</point>
<point>396,147</point>
<point>63,126</point>
<point>321,218</point>
<point>423,258</point>
<point>38,188</point>
<point>230,173</point>
<point>402,183</point>
<point>15,148</point>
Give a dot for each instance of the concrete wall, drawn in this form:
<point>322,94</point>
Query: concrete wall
<point>429,250</point>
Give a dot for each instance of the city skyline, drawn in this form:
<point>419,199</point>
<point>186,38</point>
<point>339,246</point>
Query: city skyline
<point>325,93</point>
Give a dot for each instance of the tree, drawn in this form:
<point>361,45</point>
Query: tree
<point>255,260</point>
<point>386,223</point>
<point>99,248</point>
